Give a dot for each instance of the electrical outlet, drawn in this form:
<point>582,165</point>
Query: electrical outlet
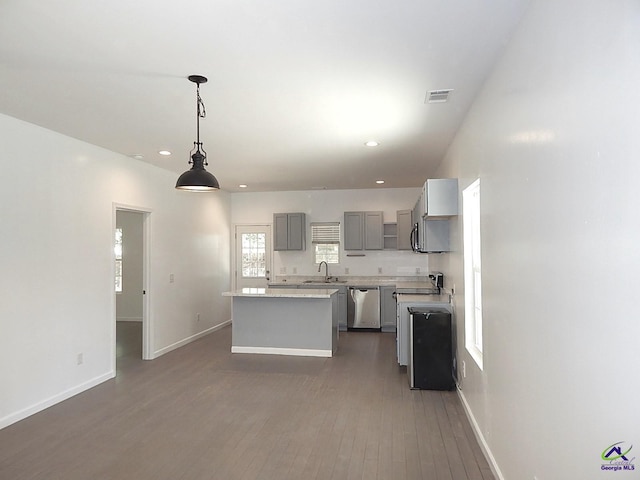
<point>417,270</point>
<point>171,278</point>
<point>295,270</point>
<point>80,359</point>
<point>346,271</point>
<point>464,369</point>
<point>379,269</point>
<point>283,270</point>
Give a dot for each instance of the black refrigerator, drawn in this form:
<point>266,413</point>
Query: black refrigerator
<point>430,365</point>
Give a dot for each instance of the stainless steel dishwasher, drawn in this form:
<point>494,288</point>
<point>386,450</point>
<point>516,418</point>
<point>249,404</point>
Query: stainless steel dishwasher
<point>363,308</point>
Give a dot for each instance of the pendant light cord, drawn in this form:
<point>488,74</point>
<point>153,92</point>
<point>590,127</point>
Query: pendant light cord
<point>201,112</point>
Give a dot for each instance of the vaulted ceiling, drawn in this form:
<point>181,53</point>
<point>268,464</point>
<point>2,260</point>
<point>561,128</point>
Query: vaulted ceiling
<point>296,87</point>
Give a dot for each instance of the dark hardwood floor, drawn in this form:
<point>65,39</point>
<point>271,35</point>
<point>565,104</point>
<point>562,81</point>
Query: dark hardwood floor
<point>201,413</point>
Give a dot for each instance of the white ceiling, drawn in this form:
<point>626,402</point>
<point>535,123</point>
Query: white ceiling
<point>295,87</point>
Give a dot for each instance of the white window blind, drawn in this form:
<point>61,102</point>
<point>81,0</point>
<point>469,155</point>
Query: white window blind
<point>325,237</point>
<point>326,232</point>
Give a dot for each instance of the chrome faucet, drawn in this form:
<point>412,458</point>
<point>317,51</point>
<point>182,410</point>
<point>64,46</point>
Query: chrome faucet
<point>326,270</point>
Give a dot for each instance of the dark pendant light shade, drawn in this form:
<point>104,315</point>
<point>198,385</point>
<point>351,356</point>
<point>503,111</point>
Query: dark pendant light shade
<point>197,179</point>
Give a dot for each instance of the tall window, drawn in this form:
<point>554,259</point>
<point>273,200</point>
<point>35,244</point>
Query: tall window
<point>472,271</point>
<point>254,255</point>
<point>326,241</point>
<point>118,253</point>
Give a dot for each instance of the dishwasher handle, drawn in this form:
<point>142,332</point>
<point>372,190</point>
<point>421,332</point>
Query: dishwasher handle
<point>353,290</point>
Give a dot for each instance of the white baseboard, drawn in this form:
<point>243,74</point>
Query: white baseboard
<point>481,440</point>
<point>297,352</point>
<point>49,402</point>
<point>190,339</point>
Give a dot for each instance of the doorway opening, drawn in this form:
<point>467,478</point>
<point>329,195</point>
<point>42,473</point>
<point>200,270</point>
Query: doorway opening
<point>131,323</point>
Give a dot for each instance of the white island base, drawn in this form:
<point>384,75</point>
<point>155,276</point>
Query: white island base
<point>285,321</point>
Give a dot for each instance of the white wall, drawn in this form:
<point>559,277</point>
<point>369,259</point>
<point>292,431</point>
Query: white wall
<point>57,258</point>
<point>329,206</point>
<point>129,302</point>
<point>554,139</point>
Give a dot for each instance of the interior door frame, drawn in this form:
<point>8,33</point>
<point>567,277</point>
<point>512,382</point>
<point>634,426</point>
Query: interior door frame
<point>236,264</point>
<point>147,325</point>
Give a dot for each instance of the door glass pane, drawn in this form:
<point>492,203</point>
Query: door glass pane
<point>118,253</point>
<point>254,255</point>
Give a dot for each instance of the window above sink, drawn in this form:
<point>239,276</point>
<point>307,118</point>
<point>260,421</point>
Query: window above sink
<point>325,237</point>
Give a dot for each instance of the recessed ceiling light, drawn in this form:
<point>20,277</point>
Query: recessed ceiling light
<point>164,152</point>
<point>379,182</point>
<point>242,185</point>
<point>372,143</point>
<point>137,156</point>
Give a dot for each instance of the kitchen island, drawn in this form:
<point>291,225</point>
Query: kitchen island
<point>284,321</point>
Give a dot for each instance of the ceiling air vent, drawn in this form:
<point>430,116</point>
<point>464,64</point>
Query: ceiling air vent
<point>438,96</point>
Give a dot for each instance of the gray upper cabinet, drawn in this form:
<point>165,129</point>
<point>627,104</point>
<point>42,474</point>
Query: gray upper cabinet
<point>280,231</point>
<point>373,231</point>
<point>363,231</point>
<point>404,229</point>
<point>440,197</point>
<point>296,230</point>
<point>289,231</point>
<point>436,235</point>
<point>353,230</point>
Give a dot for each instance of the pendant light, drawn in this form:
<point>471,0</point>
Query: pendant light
<point>197,179</point>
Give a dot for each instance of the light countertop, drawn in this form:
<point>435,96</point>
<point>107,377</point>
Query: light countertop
<point>282,293</point>
<point>413,284</point>
<point>416,298</point>
<point>398,282</point>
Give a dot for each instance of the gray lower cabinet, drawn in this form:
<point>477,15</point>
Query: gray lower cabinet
<point>342,302</point>
<point>363,231</point>
<point>342,309</point>
<point>388,311</point>
<point>289,231</point>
